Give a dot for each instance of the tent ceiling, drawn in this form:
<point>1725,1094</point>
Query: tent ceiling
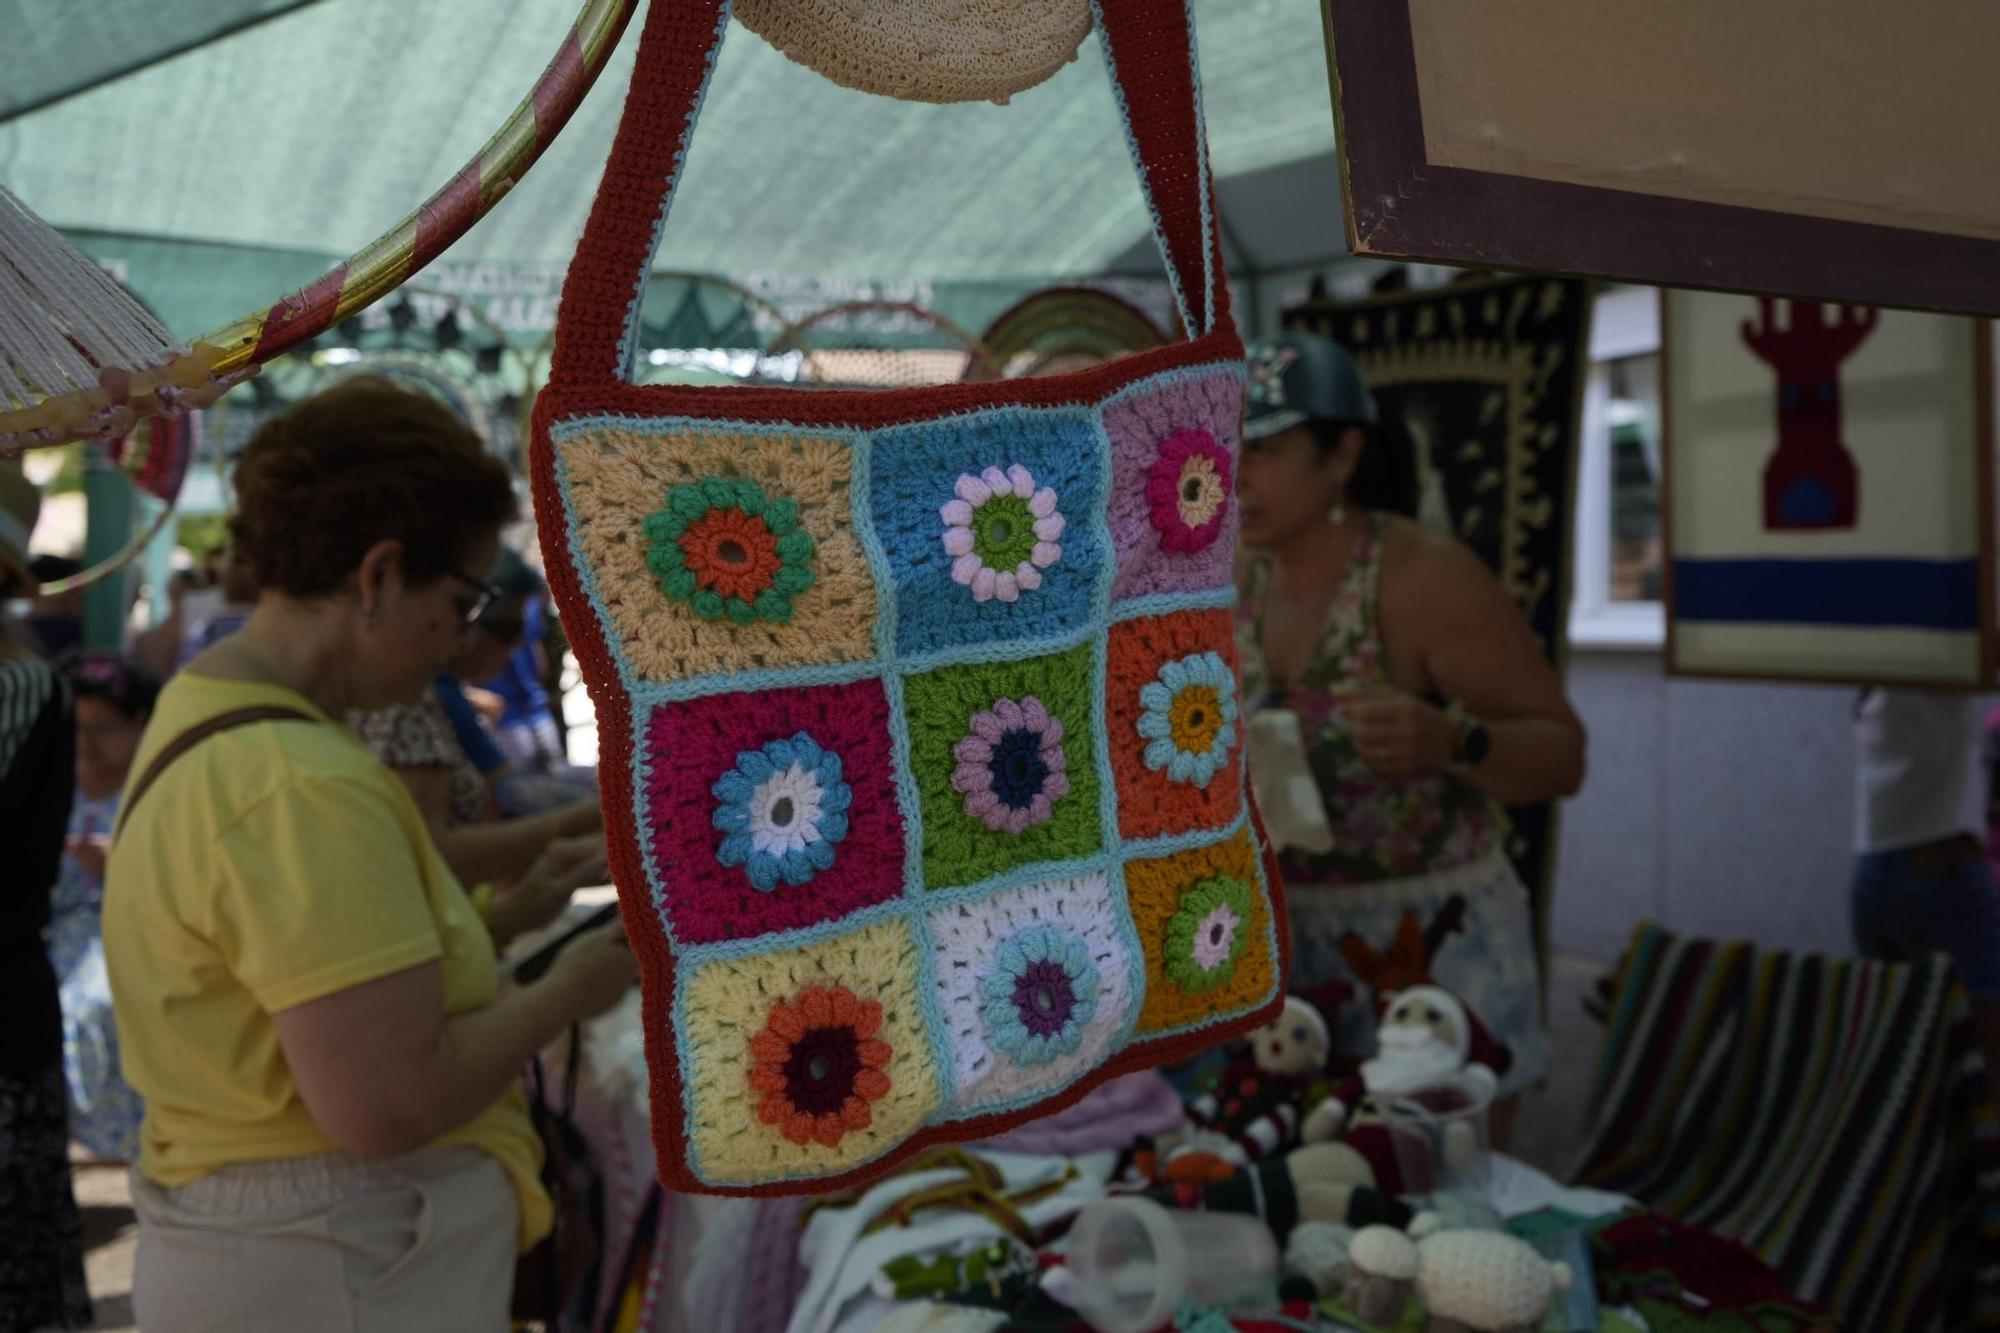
<point>316,130</point>
<point>56,49</point>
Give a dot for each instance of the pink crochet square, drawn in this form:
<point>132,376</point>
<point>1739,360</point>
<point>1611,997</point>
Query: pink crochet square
<point>710,891</point>
<point>1174,450</point>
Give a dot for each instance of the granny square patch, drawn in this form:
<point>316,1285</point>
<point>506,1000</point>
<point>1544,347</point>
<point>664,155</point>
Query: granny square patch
<point>719,548</point>
<point>1205,925</point>
<point>1173,514</point>
<point>1034,985</point>
<point>990,525</point>
<point>806,1060</point>
<point>1005,763</point>
<point>771,811</point>
<point>1174,723</point>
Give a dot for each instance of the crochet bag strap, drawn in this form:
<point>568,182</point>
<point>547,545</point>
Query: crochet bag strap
<point>1148,45</point>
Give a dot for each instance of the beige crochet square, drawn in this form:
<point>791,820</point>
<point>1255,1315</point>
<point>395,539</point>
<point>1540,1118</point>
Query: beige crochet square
<point>728,1003</point>
<point>615,476</point>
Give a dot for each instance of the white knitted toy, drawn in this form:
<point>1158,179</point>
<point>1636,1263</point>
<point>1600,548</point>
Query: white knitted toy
<point>1483,1281</point>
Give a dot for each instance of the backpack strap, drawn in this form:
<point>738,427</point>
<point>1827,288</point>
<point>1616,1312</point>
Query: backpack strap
<point>195,735</point>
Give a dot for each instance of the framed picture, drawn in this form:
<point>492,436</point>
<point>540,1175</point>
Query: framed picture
<point>1609,140</point>
<point>1829,492</point>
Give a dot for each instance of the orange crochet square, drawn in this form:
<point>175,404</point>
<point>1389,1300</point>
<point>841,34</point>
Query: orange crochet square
<point>1152,800</point>
<point>617,476</point>
<point>1209,905</point>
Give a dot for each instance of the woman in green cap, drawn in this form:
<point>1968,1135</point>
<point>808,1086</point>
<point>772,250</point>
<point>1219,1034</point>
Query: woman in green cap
<point>1424,705</point>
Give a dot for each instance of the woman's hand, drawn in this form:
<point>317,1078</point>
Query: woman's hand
<point>540,896</point>
<point>1397,735</point>
<point>90,853</point>
<point>594,971</point>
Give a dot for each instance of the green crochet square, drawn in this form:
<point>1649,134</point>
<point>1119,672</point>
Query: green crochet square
<point>1005,760</point>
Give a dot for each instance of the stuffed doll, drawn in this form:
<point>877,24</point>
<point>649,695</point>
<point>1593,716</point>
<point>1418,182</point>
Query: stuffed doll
<point>1323,1182</point>
<point>1427,1041</point>
<point>1255,1108</point>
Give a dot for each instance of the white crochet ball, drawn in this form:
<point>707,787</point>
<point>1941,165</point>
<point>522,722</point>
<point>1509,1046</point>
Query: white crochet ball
<point>1486,1279</point>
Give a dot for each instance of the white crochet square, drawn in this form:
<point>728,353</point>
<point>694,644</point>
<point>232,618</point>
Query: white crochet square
<point>1072,934</point>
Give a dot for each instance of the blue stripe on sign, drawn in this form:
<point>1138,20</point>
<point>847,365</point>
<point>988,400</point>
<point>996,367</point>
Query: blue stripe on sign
<point>1913,594</point>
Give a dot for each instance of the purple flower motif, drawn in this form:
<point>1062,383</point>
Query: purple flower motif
<point>1011,767</point>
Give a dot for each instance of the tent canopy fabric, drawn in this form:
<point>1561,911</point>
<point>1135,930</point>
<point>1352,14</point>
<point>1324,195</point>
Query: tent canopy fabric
<point>309,128</point>
<point>55,50</point>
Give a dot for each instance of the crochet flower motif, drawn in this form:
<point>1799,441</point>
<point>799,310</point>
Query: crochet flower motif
<point>818,1064</point>
<point>1001,533</point>
<point>1187,489</point>
<point>1188,718</point>
<point>727,550</point>
<point>1205,936</point>
<point>1011,767</point>
<point>1040,996</point>
<point>781,810</point>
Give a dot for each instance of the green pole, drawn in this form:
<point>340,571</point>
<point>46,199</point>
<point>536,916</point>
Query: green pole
<point>108,508</point>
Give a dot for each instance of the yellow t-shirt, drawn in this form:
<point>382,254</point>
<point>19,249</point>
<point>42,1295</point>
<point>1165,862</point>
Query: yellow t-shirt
<point>271,865</point>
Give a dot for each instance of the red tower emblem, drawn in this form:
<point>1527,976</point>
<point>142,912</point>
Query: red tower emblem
<point>1811,481</point>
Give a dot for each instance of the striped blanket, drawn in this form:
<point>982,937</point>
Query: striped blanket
<point>1829,1113</point>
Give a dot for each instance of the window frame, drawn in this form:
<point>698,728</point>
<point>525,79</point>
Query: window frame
<point>1625,322</point>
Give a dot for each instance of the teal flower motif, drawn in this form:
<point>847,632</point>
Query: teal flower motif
<point>1040,996</point>
<point>1189,718</point>
<point>781,811</point>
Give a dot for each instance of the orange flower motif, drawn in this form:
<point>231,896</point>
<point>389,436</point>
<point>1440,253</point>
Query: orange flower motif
<point>818,1064</point>
<point>732,552</point>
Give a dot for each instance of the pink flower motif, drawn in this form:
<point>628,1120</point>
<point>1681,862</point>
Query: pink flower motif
<point>1215,937</point>
<point>1011,766</point>
<point>1187,490</point>
<point>1001,531</point>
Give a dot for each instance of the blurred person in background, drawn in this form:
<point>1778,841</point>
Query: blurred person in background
<point>41,1236</point>
<point>114,700</point>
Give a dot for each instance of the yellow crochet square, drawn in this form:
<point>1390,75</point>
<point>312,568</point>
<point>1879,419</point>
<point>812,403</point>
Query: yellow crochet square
<point>1204,920</point>
<point>617,476</point>
<point>806,1062</point>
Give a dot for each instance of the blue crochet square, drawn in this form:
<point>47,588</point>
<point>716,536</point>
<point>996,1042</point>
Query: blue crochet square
<point>991,525</point>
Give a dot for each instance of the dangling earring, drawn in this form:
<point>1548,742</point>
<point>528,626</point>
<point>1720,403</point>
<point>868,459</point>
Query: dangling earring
<point>1338,514</point>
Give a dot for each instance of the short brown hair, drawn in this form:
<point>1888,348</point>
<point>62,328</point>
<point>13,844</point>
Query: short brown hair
<point>364,462</point>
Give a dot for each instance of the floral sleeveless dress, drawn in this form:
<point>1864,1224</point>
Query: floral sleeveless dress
<point>1409,857</point>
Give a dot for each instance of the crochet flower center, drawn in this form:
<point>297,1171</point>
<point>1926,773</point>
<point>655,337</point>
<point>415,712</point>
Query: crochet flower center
<point>1011,766</point>
<point>1044,998</point>
<point>819,1063</point>
<point>725,549</point>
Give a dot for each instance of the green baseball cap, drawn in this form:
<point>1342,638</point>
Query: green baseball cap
<point>1296,377</point>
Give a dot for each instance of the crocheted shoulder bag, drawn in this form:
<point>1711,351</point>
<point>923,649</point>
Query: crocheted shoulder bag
<point>922,758</point>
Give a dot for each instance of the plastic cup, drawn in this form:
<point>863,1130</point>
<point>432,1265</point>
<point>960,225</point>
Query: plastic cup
<point>1133,1264</point>
<point>1437,1149</point>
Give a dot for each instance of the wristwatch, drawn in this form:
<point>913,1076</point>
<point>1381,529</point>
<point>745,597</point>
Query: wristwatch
<point>1470,739</point>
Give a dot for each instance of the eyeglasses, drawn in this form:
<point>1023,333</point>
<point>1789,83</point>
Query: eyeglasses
<point>483,595</point>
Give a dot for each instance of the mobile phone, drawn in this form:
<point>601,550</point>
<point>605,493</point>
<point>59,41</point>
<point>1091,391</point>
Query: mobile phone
<point>531,968</point>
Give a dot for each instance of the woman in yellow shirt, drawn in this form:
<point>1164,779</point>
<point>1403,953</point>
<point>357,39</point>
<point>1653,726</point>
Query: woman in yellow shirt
<point>307,999</point>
